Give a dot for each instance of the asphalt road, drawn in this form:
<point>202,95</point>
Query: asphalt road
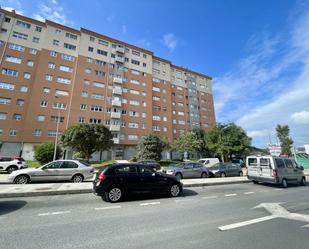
<point>190,221</point>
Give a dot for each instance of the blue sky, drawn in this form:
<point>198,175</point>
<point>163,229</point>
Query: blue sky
<point>257,51</point>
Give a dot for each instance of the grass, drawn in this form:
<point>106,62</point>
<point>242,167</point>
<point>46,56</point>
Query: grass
<point>31,164</point>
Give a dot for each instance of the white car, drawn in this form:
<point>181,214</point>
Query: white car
<point>11,163</point>
<point>60,170</point>
<point>208,162</point>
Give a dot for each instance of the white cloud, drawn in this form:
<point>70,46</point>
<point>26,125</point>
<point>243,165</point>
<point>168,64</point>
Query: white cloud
<point>52,10</point>
<point>124,29</point>
<point>10,5</point>
<point>270,86</point>
<point>301,117</point>
<point>170,41</point>
<point>144,43</point>
<point>110,18</point>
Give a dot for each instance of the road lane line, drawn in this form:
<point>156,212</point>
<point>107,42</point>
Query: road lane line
<point>264,191</point>
<point>210,197</point>
<point>150,203</point>
<point>54,213</point>
<point>105,208</point>
<point>249,193</point>
<point>246,223</point>
<point>278,189</point>
<point>184,200</point>
<point>228,195</point>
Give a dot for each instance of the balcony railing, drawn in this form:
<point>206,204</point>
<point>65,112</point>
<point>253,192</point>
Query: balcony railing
<point>116,140</point>
<point>118,80</point>
<point>114,128</point>
<point>115,115</point>
<point>117,91</point>
<point>120,50</point>
<point>116,103</point>
<point>119,59</point>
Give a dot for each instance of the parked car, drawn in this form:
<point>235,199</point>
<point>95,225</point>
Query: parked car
<point>11,163</point>
<point>208,162</point>
<point>151,163</point>
<point>60,170</point>
<point>239,161</point>
<point>275,170</point>
<point>118,180</point>
<point>225,169</point>
<point>187,170</point>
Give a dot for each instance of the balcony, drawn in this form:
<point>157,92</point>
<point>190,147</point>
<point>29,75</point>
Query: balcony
<point>114,128</point>
<point>116,140</point>
<point>120,50</point>
<point>119,59</point>
<point>117,91</point>
<point>116,103</point>
<point>115,115</point>
<point>117,80</point>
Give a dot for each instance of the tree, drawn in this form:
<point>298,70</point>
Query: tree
<point>201,136</point>
<point>228,139</point>
<point>150,147</point>
<point>284,138</point>
<point>44,153</point>
<point>87,138</point>
<point>187,142</point>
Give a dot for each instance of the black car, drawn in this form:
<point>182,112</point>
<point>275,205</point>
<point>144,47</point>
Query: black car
<point>151,163</point>
<point>225,169</point>
<point>117,180</point>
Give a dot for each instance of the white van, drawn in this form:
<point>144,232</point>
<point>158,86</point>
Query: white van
<point>275,170</point>
<point>208,162</point>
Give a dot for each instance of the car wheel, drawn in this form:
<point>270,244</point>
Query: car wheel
<point>21,179</point>
<point>77,178</point>
<point>241,173</point>
<point>179,176</point>
<point>175,190</point>
<point>11,169</point>
<point>222,174</point>
<point>204,175</point>
<point>255,182</point>
<point>114,194</point>
<point>284,183</point>
<point>303,182</point>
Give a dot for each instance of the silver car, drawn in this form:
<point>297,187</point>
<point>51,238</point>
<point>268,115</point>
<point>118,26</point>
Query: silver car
<point>60,170</point>
<point>187,170</point>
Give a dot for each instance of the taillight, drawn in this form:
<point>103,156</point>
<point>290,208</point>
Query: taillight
<point>274,173</point>
<point>102,177</point>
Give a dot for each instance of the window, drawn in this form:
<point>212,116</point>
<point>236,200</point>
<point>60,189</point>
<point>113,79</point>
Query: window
<point>264,162</point>
<point>135,62</point>
<point>61,93</point>
<point>135,82</point>
<point>155,98</point>
<point>16,47</point>
<point>5,101</point>
<point>132,137</point>
<point>63,80</point>
<point>24,89</point>
<point>69,46</point>
<point>101,52</point>
<point>27,76</point>
<point>83,106</point>
<point>136,53</point>
<point>126,170</point>
<point>165,119</point>
<point>89,60</point>
<point>133,125</point>
<point>71,36</point>
<point>135,72</point>
<point>66,69</point>
<point>95,121</point>
<point>252,162</point>
<point>21,36</point>
<point>87,70</point>
<point>7,19</point>
<point>279,162</point>
<point>57,31</point>
<point>91,38</point>
<point>90,49</point>
<point>55,42</point>
<point>33,51</point>
<point>3,31</point>
<point>81,120</point>
<point>30,63</point>
<point>23,24</point>
<point>38,29</point>
<point>7,86</point>
<point>156,89</point>
<point>101,63</point>
<point>156,128</point>
<point>181,122</point>
<point>134,102</point>
<point>56,119</point>
<point>12,132</point>
<point>99,73</point>
<point>20,102</point>
<point>53,134</point>
<point>53,53</point>
<point>97,96</point>
<point>3,115</point>
<point>144,114</point>
<point>133,114</point>
<point>35,39</point>
<point>95,108</point>
<point>48,77</point>
<point>13,59</point>
<point>97,84</point>
<point>105,43</point>
<point>156,118</point>
<point>134,92</point>
<point>67,57</point>
<point>51,65</point>
<point>10,72</point>
<point>17,117</point>
<point>46,90</point>
<point>37,133</point>
<point>58,105</point>
<point>144,64</point>
<point>181,113</point>
<point>44,103</point>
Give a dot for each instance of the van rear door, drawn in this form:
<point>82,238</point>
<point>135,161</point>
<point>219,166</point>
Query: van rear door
<point>252,165</point>
<point>266,169</point>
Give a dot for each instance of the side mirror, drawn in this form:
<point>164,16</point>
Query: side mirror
<point>301,168</point>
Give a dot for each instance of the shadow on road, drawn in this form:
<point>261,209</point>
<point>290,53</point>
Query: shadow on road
<point>11,206</point>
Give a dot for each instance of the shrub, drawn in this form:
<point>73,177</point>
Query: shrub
<point>44,153</point>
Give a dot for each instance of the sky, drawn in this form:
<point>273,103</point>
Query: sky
<point>257,51</point>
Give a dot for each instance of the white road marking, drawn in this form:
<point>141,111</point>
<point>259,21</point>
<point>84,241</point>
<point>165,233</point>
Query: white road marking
<point>150,203</point>
<point>228,195</point>
<point>264,191</point>
<point>249,193</point>
<point>183,200</point>
<point>278,189</point>
<point>210,197</point>
<point>104,208</point>
<point>246,223</point>
<point>54,213</point>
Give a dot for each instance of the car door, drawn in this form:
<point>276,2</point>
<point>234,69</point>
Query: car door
<point>291,171</point>
<point>127,177</point>
<point>187,171</point>
<point>149,182</point>
<point>197,170</point>
<point>67,170</point>
<point>48,172</point>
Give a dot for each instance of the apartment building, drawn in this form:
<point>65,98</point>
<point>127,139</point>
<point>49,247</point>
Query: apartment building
<point>53,75</point>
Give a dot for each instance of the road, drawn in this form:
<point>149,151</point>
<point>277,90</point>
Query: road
<point>190,221</point>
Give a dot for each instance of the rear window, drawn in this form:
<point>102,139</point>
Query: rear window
<point>264,162</point>
<point>288,163</point>
<point>279,163</point>
<point>252,161</point>
<point>86,163</point>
